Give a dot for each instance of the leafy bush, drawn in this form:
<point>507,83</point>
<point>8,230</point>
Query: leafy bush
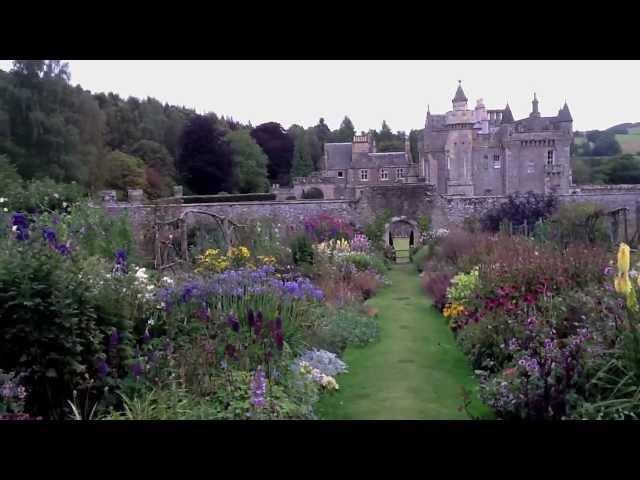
<point>375,230</point>
<point>519,209</point>
<point>301,250</point>
<point>435,285</point>
<point>463,287</point>
<point>578,222</point>
<point>56,319</point>
<point>420,257</point>
<point>364,262</point>
<point>344,327</point>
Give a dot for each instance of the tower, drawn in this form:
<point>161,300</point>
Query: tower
<point>534,104</point>
<point>460,99</point>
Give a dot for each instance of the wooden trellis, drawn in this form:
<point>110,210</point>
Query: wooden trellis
<point>166,232</point>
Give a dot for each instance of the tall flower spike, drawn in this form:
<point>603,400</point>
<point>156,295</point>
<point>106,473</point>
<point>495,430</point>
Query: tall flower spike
<point>622,283</point>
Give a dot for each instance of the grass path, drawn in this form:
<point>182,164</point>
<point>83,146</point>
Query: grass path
<point>414,371</point>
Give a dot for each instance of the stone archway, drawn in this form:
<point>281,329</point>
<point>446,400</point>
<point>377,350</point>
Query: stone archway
<point>401,233</point>
<point>401,227</point>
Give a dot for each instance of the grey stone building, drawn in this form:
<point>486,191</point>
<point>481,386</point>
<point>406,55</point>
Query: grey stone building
<point>487,152</point>
<point>479,152</point>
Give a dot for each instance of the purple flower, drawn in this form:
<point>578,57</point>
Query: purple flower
<point>120,265</point>
<point>258,388</point>
<point>63,249</point>
<point>279,339</point>
<point>21,225</point>
<point>50,236</point>
<point>103,368</point>
<point>114,339</point>
<point>137,369</point>
<point>251,319</point>
<point>146,338</point>
<point>259,322</point>
<point>232,321</point>
<point>230,351</point>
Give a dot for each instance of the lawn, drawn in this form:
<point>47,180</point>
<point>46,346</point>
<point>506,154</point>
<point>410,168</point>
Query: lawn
<point>415,370</point>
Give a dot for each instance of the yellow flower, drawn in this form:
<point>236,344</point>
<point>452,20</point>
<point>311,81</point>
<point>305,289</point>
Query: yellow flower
<point>623,259</point>
<point>622,284</point>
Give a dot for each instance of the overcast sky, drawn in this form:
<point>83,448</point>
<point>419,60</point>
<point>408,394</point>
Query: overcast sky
<point>600,94</point>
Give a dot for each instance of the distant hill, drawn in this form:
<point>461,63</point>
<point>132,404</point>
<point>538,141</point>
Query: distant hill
<point>627,135</point>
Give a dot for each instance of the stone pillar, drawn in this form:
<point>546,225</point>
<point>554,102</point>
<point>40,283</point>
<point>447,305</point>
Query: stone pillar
<point>108,196</point>
<point>177,191</point>
<point>135,196</point>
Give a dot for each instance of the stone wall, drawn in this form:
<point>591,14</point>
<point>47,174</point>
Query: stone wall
<point>410,200</point>
<point>290,213</point>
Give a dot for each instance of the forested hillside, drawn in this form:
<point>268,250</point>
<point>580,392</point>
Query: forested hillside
<point>52,129</point>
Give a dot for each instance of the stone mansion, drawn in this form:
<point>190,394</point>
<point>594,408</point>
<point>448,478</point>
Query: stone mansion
<point>462,152</point>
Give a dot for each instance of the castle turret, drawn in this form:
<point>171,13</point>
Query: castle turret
<point>534,112</point>
<point>460,99</point>
<point>507,116</point>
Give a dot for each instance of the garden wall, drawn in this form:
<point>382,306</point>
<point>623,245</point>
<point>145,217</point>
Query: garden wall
<point>410,200</point>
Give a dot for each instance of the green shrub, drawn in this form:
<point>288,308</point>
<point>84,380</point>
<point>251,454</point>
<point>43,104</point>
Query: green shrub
<point>301,249</point>
<point>420,257</point>
<point>577,222</point>
<point>363,262</point>
<point>375,230</point>
<point>345,327</point>
<point>463,287</point>
<point>56,317</point>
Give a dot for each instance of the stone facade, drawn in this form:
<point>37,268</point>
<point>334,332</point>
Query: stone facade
<point>486,152</point>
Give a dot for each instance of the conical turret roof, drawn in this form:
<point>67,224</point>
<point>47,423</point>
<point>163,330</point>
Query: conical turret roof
<point>460,96</point>
<point>564,115</point>
<point>507,116</point>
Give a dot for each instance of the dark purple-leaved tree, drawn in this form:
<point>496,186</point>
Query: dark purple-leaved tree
<point>205,163</point>
<point>278,147</point>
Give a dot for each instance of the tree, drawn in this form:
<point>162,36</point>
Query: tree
<point>315,147</point>
<point>302,163</point>
<point>387,141</point>
<point>124,171</point>
<point>249,163</point>
<point>278,146</point>
<point>160,168</point>
<point>606,145</point>
<point>205,163</point>
<point>623,169</point>
<point>346,131</point>
<point>323,133</point>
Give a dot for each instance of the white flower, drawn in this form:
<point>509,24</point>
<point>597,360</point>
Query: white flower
<point>14,228</point>
<point>56,195</point>
<point>5,209</point>
<point>141,274</point>
<point>2,199</point>
<point>167,280</point>
<point>64,204</point>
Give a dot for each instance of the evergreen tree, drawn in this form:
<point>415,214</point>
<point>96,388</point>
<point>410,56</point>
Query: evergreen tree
<point>278,146</point>
<point>346,131</point>
<point>205,163</point>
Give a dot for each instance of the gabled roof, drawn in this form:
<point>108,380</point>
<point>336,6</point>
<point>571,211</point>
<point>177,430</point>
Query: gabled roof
<point>338,155</point>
